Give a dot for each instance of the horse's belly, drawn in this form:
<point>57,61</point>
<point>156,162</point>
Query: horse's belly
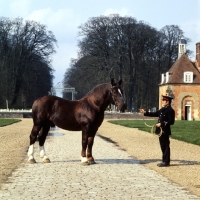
<point>69,126</point>
<point>72,128</point>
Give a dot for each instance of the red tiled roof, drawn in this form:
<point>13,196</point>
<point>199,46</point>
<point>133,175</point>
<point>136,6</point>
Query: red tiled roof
<point>182,65</point>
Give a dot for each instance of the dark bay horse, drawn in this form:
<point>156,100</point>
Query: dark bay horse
<point>85,114</point>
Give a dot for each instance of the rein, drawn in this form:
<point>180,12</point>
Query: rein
<point>152,127</point>
<point>112,97</point>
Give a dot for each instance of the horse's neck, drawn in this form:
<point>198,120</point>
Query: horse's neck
<point>100,97</point>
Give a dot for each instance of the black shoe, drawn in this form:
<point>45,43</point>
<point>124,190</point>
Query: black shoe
<point>163,164</point>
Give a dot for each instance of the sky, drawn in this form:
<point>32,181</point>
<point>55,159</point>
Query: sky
<point>63,17</point>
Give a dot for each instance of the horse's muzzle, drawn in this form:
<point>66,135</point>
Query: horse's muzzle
<point>122,108</point>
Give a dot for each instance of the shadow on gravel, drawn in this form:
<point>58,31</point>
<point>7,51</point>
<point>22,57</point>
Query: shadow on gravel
<point>111,141</point>
<point>102,161</point>
<point>107,139</point>
<point>184,162</point>
<point>147,161</point>
<point>177,162</point>
<point>117,161</point>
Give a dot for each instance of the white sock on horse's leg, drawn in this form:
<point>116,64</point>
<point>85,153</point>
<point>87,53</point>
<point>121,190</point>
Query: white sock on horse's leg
<point>30,152</point>
<point>42,151</point>
<point>84,159</point>
<point>43,154</point>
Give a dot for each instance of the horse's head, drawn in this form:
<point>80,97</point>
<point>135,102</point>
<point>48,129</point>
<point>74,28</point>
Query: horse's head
<point>117,95</point>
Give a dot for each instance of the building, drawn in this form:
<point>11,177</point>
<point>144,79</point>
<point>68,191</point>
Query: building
<point>183,82</point>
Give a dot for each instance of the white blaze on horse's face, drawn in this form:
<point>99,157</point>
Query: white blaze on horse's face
<point>120,92</point>
<point>117,97</point>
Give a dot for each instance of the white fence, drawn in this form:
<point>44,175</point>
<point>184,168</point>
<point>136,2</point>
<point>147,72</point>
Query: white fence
<point>16,110</point>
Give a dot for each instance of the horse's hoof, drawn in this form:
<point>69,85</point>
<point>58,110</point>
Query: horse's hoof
<point>32,161</point>
<point>92,162</point>
<point>46,160</point>
<point>84,163</point>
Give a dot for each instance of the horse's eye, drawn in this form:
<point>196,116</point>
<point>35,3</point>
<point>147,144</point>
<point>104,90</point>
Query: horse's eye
<point>115,92</point>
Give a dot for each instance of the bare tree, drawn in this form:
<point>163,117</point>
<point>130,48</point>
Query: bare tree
<point>122,47</point>
<point>23,45</point>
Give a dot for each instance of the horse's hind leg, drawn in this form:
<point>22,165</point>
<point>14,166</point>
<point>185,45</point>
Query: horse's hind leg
<point>89,150</point>
<point>84,160</point>
<point>87,143</point>
<point>42,138</point>
<point>33,138</point>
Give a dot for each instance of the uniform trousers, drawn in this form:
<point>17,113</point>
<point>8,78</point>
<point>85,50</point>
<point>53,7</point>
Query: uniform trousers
<point>165,148</point>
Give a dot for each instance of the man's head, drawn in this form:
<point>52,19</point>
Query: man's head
<point>166,100</point>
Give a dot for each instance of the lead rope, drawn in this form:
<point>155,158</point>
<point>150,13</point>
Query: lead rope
<point>152,127</point>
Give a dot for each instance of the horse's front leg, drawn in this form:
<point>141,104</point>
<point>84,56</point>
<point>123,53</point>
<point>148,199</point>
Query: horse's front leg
<point>87,143</point>
<point>42,138</point>
<point>43,155</point>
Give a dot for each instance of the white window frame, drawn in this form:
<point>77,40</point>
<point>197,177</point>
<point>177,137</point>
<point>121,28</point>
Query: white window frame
<point>182,48</point>
<point>188,77</point>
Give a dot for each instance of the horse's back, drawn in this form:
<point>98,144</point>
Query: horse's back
<point>66,114</point>
<point>56,111</point>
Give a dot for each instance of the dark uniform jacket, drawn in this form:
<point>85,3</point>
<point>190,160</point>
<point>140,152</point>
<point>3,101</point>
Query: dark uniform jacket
<point>166,117</point>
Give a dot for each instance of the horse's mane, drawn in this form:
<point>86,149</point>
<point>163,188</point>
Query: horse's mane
<point>97,89</point>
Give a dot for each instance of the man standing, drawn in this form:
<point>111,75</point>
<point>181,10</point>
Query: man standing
<point>166,117</point>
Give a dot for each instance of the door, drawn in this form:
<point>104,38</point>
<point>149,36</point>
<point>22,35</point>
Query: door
<point>188,113</point>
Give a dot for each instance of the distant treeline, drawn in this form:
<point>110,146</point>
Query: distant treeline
<point>109,46</point>
<point>127,49</point>
<point>25,62</point>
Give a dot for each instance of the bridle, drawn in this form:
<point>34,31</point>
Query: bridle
<point>113,98</point>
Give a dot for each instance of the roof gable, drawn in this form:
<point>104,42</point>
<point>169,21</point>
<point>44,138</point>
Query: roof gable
<point>182,65</point>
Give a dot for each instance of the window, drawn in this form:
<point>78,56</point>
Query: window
<point>188,77</point>
<point>182,48</point>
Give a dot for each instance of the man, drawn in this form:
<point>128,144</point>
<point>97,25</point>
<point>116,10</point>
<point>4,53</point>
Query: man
<point>166,117</point>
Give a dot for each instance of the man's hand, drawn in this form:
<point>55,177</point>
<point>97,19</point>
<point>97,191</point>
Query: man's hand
<point>158,125</point>
<point>142,111</point>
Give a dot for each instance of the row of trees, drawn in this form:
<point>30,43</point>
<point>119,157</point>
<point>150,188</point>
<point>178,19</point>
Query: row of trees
<point>25,62</point>
<point>127,49</point>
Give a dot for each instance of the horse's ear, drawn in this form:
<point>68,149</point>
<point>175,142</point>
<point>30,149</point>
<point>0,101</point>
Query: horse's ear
<point>112,81</point>
<point>120,82</point>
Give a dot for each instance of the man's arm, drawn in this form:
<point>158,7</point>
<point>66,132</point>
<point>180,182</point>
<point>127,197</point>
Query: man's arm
<point>150,114</point>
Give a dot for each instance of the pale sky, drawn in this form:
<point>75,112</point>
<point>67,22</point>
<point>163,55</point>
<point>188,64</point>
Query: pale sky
<point>63,17</point>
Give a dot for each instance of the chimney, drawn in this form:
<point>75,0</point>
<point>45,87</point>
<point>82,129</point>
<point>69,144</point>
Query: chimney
<point>198,54</point>
<point>181,47</point>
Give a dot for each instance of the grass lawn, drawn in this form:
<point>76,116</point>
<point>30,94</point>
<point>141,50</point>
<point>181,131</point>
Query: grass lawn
<point>5,122</point>
<point>188,131</point>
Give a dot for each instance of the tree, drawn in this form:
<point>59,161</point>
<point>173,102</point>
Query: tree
<point>23,47</point>
<point>121,47</point>
<point>171,36</point>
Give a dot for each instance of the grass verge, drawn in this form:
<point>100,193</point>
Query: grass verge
<point>6,122</point>
<point>187,131</point>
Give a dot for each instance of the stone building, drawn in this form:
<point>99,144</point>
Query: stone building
<point>183,82</point>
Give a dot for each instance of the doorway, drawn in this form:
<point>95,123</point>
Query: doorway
<point>188,113</point>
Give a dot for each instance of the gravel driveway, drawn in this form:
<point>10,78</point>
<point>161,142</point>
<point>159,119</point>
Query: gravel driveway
<point>185,159</point>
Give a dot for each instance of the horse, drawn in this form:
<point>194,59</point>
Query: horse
<point>85,114</point>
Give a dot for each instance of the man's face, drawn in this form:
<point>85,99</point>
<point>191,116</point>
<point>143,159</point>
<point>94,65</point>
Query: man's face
<point>165,102</point>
